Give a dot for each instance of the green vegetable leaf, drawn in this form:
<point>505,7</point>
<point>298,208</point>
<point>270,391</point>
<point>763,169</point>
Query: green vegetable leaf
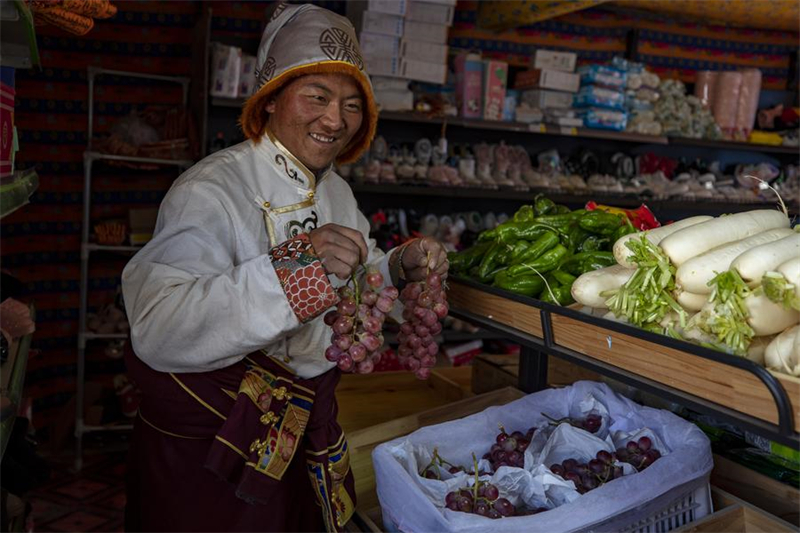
<point>780,291</point>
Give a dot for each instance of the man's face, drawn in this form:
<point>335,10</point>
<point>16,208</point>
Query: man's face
<point>315,117</point>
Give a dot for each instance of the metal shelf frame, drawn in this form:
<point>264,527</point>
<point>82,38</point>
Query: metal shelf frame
<point>89,158</point>
<point>533,364</point>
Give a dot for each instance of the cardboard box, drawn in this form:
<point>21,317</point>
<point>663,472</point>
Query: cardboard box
<point>469,85</point>
<point>383,66</point>
<point>495,76</point>
<point>552,60</point>
<point>424,31</point>
<point>548,79</point>
<point>247,76</point>
<point>395,100</point>
<point>226,65</point>
<point>544,99</point>
<point>423,71</point>
<point>376,22</point>
<point>391,7</point>
<point>422,51</point>
<point>430,12</point>
<point>379,45</point>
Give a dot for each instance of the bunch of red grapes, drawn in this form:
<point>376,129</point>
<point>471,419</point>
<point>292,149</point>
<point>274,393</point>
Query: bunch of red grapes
<point>484,499</point>
<point>590,423</point>
<point>357,323</point>
<point>640,454</point>
<point>589,476</point>
<point>433,470</point>
<point>509,450</point>
<point>425,304</point>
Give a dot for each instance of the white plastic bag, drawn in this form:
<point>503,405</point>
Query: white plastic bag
<point>406,507</point>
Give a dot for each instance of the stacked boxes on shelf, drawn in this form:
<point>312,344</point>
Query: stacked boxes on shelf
<point>549,87</point>
<point>481,87</point>
<point>407,38</point>
<point>232,72</point>
<point>601,99</point>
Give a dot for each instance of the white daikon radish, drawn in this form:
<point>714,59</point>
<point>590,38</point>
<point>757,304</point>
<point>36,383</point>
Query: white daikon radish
<point>755,352</point>
<point>588,287</point>
<point>694,274</point>
<point>621,252</point>
<point>691,301</point>
<point>700,238</point>
<point>791,271</point>
<point>752,264</point>
<point>782,354</point>
<point>767,317</point>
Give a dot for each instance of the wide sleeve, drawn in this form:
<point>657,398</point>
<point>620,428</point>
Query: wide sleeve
<point>191,309</point>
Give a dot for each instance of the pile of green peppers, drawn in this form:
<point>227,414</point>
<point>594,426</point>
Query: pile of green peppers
<point>542,249</point>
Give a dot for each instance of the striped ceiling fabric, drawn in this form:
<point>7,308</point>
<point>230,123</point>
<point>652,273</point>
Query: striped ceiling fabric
<point>767,14</point>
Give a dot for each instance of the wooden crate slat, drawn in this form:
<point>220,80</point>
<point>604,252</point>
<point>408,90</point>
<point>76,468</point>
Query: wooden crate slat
<point>725,385</point>
<point>517,315</point>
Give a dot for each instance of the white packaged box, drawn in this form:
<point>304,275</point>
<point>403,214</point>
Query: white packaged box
<point>547,99</point>
<point>379,45</point>
<point>247,76</point>
<point>423,71</point>
<point>552,60</point>
<point>423,31</point>
<point>422,51</point>
<point>375,22</point>
<point>430,12</point>
<point>226,65</point>
<point>383,66</point>
<point>392,7</point>
<point>395,100</point>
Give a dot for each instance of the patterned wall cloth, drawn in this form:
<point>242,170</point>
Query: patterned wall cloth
<point>672,49</point>
<point>41,242</point>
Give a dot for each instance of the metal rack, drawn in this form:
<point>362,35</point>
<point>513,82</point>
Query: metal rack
<point>89,159</point>
<point>761,401</point>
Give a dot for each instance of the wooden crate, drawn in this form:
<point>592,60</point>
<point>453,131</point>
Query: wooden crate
<point>772,496</point>
<point>517,315</point>
<point>495,371</point>
<point>363,441</point>
<point>735,515</point>
<point>717,382</point>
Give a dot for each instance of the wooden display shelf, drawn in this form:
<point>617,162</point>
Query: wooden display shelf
<point>726,386</point>
<point>495,371</point>
<point>735,515</point>
<point>711,380</point>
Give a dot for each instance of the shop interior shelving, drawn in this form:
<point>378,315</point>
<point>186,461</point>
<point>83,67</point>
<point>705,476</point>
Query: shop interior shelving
<point>90,159</point>
<point>12,381</point>
<point>725,386</point>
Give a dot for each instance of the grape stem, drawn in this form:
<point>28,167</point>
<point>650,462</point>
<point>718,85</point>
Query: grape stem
<point>477,477</point>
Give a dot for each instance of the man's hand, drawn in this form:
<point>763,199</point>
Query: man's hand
<point>340,249</point>
<point>423,256</point>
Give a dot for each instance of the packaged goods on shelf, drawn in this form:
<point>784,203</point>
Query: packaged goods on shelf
<point>430,12</point>
<point>552,60</point>
<point>495,76</point>
<point>605,119</point>
<point>376,45</point>
<point>603,75</point>
<point>600,97</point>
<point>527,114</point>
<point>423,71</point>
<point>226,68</point>
<point>469,83</point>
<point>726,100</point>
<point>383,66</point>
<point>383,23</point>
<point>510,105</point>
<point>426,32</point>
<point>548,79</point>
<point>704,86</point>
<point>684,116</point>
<point>747,106</point>
<point>544,99</point>
<point>390,7</point>
<point>680,474</point>
<point>423,51</point>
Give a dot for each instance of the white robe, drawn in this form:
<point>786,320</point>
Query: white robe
<point>203,293</point>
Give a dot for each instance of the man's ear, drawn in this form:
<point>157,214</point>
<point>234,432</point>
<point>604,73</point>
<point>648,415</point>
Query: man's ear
<point>271,104</point>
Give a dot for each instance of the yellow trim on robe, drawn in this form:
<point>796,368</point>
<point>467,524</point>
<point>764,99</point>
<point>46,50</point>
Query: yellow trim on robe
<point>196,397</point>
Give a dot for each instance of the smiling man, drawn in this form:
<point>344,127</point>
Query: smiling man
<point>237,427</point>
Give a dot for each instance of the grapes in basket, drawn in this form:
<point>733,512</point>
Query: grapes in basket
<point>591,422</point>
<point>509,450</point>
<point>640,454</point>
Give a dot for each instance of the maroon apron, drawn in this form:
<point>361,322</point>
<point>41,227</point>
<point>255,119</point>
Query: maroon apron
<point>250,447</point>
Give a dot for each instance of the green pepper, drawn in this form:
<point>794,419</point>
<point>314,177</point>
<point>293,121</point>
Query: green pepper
<point>505,254</point>
<point>490,260</point>
<point>563,295</point>
<point>585,261</point>
<point>539,247</point>
<point>561,210</point>
<point>592,243</point>
<point>512,232</point>
<point>563,278</point>
<point>626,229</point>
<point>466,259</point>
<point>574,236</point>
<point>525,285</point>
<point>544,263</point>
<point>524,214</point>
<point>562,222</point>
<point>543,206</point>
<point>600,222</point>
<point>519,249</point>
